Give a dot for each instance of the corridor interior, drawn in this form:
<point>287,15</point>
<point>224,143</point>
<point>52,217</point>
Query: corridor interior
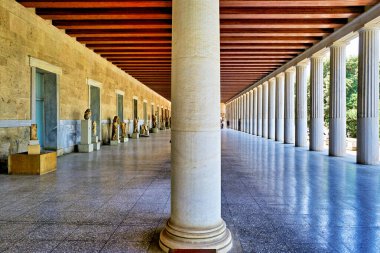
<point>275,198</point>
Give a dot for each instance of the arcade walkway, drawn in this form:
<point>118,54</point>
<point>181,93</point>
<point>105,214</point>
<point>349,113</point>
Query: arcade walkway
<point>276,198</point>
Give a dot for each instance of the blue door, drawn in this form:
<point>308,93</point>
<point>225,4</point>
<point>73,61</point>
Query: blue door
<point>40,100</point>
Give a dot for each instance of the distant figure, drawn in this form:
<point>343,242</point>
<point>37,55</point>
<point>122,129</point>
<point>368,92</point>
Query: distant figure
<point>115,128</point>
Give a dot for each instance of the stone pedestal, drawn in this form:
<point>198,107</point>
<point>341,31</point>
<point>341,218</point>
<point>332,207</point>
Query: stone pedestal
<point>155,130</point>
<point>135,135</point>
<point>34,147</point>
<point>123,140</point>
<point>24,164</point>
<point>85,145</point>
<point>195,221</point>
<point>95,142</point>
<point>114,143</point>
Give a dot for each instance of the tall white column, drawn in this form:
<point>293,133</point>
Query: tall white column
<point>316,95</point>
<point>265,110</point>
<point>242,113</point>
<point>246,112</point>
<point>289,106</point>
<point>368,96</point>
<point>259,110</point>
<point>195,221</point>
<point>272,109</point>
<point>255,111</point>
<point>250,112</point>
<point>235,114</point>
<point>337,122</point>
<point>301,105</point>
<point>280,107</point>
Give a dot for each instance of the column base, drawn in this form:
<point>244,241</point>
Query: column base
<point>218,238</point>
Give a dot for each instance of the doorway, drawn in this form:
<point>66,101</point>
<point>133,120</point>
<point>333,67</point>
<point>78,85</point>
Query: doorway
<point>46,90</point>
<point>120,110</point>
<point>95,107</point>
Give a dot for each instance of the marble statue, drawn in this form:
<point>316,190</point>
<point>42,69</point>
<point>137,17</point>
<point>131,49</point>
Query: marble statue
<point>123,126</point>
<point>154,118</point>
<point>135,125</point>
<point>33,132</point>
<point>94,128</point>
<point>87,114</point>
<point>115,127</point>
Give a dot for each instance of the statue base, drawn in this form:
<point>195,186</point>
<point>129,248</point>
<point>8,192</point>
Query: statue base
<point>34,149</point>
<point>144,135</point>
<point>114,143</point>
<point>86,148</point>
<point>135,135</point>
<point>96,145</point>
<point>123,140</point>
<point>95,139</point>
<point>162,128</point>
<point>154,130</point>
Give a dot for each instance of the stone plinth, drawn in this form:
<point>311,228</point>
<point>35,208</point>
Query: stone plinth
<point>24,164</point>
<point>135,135</point>
<point>85,145</point>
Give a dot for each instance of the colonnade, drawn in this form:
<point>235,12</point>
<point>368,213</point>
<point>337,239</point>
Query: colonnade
<point>278,106</point>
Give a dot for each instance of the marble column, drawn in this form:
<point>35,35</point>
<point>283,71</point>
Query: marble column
<point>255,111</point>
<point>368,97</point>
<point>195,221</point>
<point>272,109</point>
<point>246,112</point>
<point>280,107</point>
<point>244,119</point>
<point>259,110</point>
<point>265,110</point>
<point>301,105</point>
<point>250,112</point>
<point>316,99</point>
<point>337,117</point>
<point>243,113</point>
<point>289,106</point>
<point>235,114</point>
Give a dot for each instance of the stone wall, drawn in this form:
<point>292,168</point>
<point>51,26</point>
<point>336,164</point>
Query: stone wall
<point>23,35</point>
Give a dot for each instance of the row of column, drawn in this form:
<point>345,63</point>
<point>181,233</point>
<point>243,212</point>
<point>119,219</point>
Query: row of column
<point>277,109</point>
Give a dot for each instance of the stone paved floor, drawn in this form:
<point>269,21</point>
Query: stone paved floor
<point>276,198</point>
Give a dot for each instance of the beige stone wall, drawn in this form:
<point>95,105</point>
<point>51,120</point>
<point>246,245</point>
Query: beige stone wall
<point>23,34</point>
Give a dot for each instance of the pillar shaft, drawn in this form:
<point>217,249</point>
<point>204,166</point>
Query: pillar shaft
<point>251,112</point>
<point>337,118</point>
<point>289,106</point>
<point>280,107</point>
<point>265,110</point>
<point>243,116</point>
<point>368,97</point>
<point>260,110</point>
<point>195,220</point>
<point>316,95</point>
<point>255,111</point>
<point>272,108</point>
<point>301,105</point>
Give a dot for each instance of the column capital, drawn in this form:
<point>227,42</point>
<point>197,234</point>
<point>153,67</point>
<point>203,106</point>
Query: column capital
<point>265,83</point>
<point>303,63</point>
<point>281,75</point>
<point>273,79</point>
<point>290,70</point>
<point>344,41</point>
<point>321,54</point>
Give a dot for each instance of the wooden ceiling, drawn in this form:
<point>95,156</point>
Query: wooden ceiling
<point>257,36</point>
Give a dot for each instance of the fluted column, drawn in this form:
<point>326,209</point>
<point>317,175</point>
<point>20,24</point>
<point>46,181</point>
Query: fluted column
<point>265,110</point>
<point>272,109</point>
<point>241,113</point>
<point>280,107</point>
<point>244,113</point>
<point>195,221</point>
<point>368,97</point>
<point>301,105</point>
<point>250,111</point>
<point>316,95</point>
<point>259,110</point>
<point>337,122</point>
<point>289,106</point>
<point>255,111</point>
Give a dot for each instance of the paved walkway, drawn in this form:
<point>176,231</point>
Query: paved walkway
<point>276,198</point>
